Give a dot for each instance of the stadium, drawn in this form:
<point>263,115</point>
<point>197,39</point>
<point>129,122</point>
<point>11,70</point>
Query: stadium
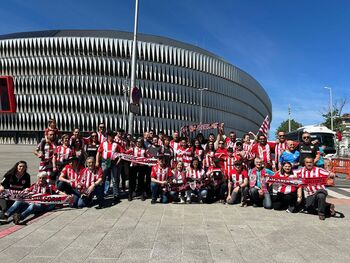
<point>81,78</point>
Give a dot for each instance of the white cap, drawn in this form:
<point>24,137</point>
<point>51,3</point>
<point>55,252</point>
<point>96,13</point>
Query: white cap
<point>42,174</point>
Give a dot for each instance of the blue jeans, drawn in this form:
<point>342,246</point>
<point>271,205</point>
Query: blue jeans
<point>156,189</point>
<point>201,193</point>
<point>112,172</point>
<point>27,209</point>
<point>255,198</point>
<point>98,191</point>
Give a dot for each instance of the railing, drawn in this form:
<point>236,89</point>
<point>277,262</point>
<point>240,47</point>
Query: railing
<point>341,165</point>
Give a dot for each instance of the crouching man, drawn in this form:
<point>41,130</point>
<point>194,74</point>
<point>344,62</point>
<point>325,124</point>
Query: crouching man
<point>315,195</point>
<point>238,184</point>
<point>159,180</point>
<point>258,187</point>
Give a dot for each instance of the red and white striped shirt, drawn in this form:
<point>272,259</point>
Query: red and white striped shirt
<point>199,153</point>
<point>222,155</point>
<point>47,149</point>
<point>108,150</point>
<point>121,142</point>
<point>209,159</point>
<point>71,174</point>
<point>263,152</point>
<point>237,178</point>
<point>229,165</point>
<point>101,137</point>
<point>194,174</point>
<point>185,156</point>
<point>286,189</point>
<point>315,172</point>
<point>87,177</point>
<point>62,153</point>
<point>137,152</point>
<point>279,149</point>
<point>160,173</point>
<point>230,144</point>
<point>42,189</point>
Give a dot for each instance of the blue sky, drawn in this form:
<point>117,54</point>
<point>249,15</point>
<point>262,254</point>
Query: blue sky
<point>293,48</point>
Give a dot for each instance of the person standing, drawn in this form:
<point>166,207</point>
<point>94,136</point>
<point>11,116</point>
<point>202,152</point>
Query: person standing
<point>307,149</point>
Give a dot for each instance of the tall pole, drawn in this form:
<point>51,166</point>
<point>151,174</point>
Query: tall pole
<point>133,67</point>
<point>289,121</point>
<point>330,105</point>
<point>125,91</point>
<point>201,107</point>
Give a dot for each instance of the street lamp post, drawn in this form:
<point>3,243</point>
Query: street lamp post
<point>201,105</point>
<point>125,91</point>
<point>330,105</point>
<point>133,67</point>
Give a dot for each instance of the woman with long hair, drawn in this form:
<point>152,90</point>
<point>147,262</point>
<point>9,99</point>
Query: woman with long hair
<point>195,175</point>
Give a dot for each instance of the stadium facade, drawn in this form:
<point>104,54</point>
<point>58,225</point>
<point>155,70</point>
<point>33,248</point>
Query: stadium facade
<point>79,77</point>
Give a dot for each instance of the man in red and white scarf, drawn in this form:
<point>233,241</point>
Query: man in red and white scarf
<point>263,150</point>
<point>315,194</point>
<point>159,176</point>
<point>184,153</point>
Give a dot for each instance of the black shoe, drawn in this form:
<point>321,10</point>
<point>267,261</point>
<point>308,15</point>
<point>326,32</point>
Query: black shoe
<point>321,217</point>
<point>16,218</point>
<point>153,201</point>
<point>100,206</point>
<point>143,197</point>
<point>4,218</point>
<point>116,199</point>
<point>130,198</point>
<point>255,205</point>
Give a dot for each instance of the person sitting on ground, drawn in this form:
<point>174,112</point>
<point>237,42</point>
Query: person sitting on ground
<point>288,197</point>
<point>91,184</point>
<point>259,190</point>
<point>178,178</point>
<point>21,210</point>
<point>315,201</point>
<point>195,176</point>
<point>159,179</point>
<point>238,184</point>
<point>17,179</point>
<point>69,178</point>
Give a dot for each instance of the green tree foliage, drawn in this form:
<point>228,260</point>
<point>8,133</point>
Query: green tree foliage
<point>337,113</point>
<point>284,126</point>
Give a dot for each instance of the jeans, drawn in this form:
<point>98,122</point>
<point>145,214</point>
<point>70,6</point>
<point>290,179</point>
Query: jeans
<point>201,193</point>
<point>256,199</point>
<point>98,191</point>
<point>27,209</point>
<point>244,192</point>
<point>69,190</point>
<point>156,189</point>
<point>112,172</point>
<point>317,203</point>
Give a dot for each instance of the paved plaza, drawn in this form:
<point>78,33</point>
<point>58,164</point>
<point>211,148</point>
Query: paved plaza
<point>140,232</point>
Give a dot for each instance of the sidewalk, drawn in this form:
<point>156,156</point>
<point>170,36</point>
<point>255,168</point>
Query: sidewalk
<point>140,232</point>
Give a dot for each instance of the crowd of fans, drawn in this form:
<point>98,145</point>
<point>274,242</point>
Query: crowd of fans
<point>174,169</point>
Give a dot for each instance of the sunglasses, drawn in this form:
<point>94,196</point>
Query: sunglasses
<point>307,137</point>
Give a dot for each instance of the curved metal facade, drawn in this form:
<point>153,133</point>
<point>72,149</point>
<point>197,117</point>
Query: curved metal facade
<point>77,77</point>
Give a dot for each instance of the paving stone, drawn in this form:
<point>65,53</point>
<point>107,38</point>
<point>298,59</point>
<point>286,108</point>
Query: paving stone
<point>131,255</point>
<point>30,259</point>
<point>167,251</point>
<point>196,256</point>
<point>73,255</point>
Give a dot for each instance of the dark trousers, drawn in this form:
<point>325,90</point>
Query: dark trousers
<point>236,196</point>
<point>67,188</point>
<point>139,173</point>
<point>316,203</point>
<point>284,201</point>
<point>223,191</point>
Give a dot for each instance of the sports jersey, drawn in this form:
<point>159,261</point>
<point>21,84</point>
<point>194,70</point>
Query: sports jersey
<point>230,144</point>
<point>263,152</point>
<point>71,174</point>
<point>137,152</point>
<point>237,178</point>
<point>47,149</point>
<point>160,173</point>
<point>222,155</point>
<point>42,189</point>
<point>108,150</point>
<point>199,153</point>
<point>87,177</point>
<point>62,153</point>
<point>287,156</point>
<point>121,142</point>
<point>279,149</point>
<point>12,182</point>
<point>286,189</point>
<point>315,172</point>
<point>194,174</point>
<point>101,137</point>
<point>184,155</point>
<point>208,159</point>
<point>307,150</point>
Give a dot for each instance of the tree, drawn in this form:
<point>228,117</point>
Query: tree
<point>337,113</point>
<point>284,126</point>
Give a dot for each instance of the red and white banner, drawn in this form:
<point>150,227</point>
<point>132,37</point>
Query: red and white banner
<point>27,197</point>
<point>297,181</point>
<point>138,160</point>
<point>201,127</point>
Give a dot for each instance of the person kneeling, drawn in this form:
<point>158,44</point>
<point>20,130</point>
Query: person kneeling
<point>315,202</point>
<point>159,176</point>
<point>21,210</point>
<point>90,184</point>
<point>238,184</point>
<point>258,186</point>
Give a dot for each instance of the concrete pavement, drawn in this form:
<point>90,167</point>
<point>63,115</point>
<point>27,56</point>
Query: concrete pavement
<point>140,232</point>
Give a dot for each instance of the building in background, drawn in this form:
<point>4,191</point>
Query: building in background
<point>79,77</point>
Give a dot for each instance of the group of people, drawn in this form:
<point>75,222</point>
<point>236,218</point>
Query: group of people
<point>175,169</point>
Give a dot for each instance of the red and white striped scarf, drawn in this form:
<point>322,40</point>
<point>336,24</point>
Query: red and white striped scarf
<point>315,172</point>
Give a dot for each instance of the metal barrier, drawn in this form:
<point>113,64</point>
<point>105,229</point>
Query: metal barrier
<point>341,165</point>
